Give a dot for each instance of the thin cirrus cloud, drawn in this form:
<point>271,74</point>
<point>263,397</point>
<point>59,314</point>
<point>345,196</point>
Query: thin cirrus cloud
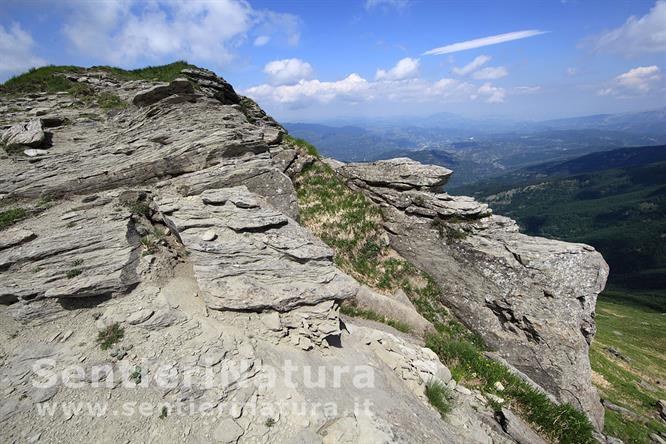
<point>485,41</point>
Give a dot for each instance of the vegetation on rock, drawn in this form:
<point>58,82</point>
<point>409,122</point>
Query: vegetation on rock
<point>11,216</point>
<point>440,397</point>
<point>110,335</point>
<point>302,144</point>
<point>52,78</point>
<point>351,224</point>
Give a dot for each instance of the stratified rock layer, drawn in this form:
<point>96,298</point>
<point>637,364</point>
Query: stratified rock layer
<point>63,253</point>
<point>248,256</point>
<point>173,223</point>
<point>532,299</point>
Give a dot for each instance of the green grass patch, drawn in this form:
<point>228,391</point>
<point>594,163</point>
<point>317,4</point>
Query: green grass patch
<point>109,100</point>
<point>53,78</point>
<point>139,208</point>
<point>302,144</point>
<point>356,312</point>
<point>351,224</point>
<point>11,216</point>
<point>638,332</point>
<point>110,336</point>
<point>160,73</point>
<point>560,423</point>
<point>44,79</point>
<point>74,272</point>
<point>440,397</point>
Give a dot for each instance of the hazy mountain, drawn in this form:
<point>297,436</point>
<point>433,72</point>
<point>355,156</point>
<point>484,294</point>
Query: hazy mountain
<point>646,122</point>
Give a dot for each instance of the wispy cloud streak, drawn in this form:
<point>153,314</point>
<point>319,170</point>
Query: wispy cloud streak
<point>484,41</point>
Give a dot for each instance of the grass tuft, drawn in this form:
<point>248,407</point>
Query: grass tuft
<point>110,335</point>
<point>440,397</point>
<point>560,423</point>
<point>11,216</point>
<point>356,312</point>
<point>109,100</point>
<point>304,145</point>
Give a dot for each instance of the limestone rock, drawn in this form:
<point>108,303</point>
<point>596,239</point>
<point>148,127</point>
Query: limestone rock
<point>368,299</point>
<point>162,91</point>
<point>95,253</point>
<point>212,85</point>
<point>28,134</point>
<point>400,173</point>
<point>260,259</point>
<point>531,299</point>
<point>518,429</point>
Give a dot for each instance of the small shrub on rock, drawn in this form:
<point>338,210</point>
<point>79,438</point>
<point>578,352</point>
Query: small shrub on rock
<point>110,335</point>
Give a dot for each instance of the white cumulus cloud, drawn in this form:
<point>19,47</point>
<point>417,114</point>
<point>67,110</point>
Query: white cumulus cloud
<point>475,64</point>
<point>355,89</point>
<point>639,80</point>
<point>288,71</point>
<point>405,69</point>
<point>490,73</point>
<point>646,34</point>
<point>491,94</point>
<point>120,32</point>
<point>307,91</point>
<point>16,50</point>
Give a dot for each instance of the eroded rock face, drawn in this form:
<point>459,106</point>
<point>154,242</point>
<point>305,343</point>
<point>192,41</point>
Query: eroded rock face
<point>248,256</point>
<point>400,173</point>
<point>532,299</point>
<point>63,253</point>
<point>29,134</point>
<point>177,222</point>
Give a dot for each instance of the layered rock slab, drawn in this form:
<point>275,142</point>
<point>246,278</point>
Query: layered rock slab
<point>71,250</point>
<point>248,256</point>
<point>532,299</point>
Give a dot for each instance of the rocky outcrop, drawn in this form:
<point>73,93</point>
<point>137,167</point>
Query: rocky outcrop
<point>248,256</point>
<point>62,253</point>
<point>162,238</point>
<point>177,88</point>
<point>29,134</point>
<point>531,299</point>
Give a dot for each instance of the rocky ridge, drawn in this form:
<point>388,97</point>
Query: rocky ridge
<point>531,299</point>
<point>175,218</point>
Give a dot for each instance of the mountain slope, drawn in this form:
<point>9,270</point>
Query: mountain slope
<point>616,201</point>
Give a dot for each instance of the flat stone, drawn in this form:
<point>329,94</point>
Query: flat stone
<point>208,235</point>
<point>140,316</point>
<point>227,431</point>
<point>162,91</point>
<point>401,173</point>
<point>34,152</point>
<point>29,134</point>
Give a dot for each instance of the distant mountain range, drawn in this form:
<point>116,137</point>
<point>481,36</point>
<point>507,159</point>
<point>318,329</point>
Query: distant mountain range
<point>476,149</point>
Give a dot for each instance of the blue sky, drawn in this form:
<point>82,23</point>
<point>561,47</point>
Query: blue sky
<point>310,60</point>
